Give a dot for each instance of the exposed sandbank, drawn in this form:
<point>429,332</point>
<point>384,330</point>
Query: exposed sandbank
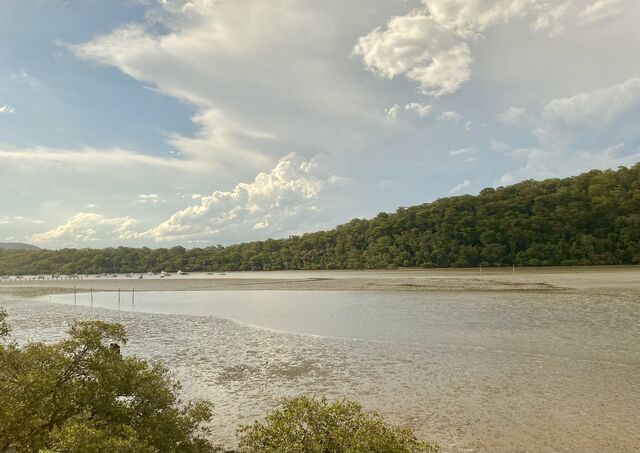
<point>523,279</point>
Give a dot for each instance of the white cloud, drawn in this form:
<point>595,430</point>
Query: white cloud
<point>7,109</point>
<point>430,45</point>
<point>458,188</point>
<point>596,129</point>
<point>460,152</point>
<point>22,77</point>
<point>267,77</point>
<point>392,111</point>
<point>470,18</point>
<point>601,11</point>
<point>89,160</point>
<point>601,118</point>
<point>513,115</point>
<point>418,47</point>
<point>602,106</point>
<point>420,109</point>
<point>261,225</point>
<point>505,180</point>
<point>550,18</point>
<point>275,201</point>
<point>19,220</point>
<point>148,198</point>
<point>453,117</point>
<point>221,144</point>
<point>86,227</point>
<point>263,75</point>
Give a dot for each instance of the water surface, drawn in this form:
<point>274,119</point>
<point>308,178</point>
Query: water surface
<point>495,372</point>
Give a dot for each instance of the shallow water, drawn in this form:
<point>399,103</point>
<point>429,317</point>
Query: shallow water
<point>473,372</point>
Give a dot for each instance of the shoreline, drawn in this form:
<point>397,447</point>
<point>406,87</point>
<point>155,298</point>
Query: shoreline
<point>591,279</point>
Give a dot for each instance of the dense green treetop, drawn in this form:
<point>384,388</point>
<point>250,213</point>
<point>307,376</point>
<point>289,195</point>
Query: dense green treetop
<point>308,425</point>
<point>82,395</point>
<point>590,219</point>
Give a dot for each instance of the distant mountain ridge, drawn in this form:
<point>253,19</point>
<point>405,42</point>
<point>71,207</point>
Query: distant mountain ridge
<point>17,246</point>
<point>589,219</point>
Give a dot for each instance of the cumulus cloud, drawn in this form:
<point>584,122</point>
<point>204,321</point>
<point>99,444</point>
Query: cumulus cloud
<point>420,109</point>
<point>513,115</point>
<point>86,227</point>
<point>267,77</point>
<point>7,109</point>
<point>418,47</point>
<point>601,11</point>
<point>458,188</point>
<point>430,45</point>
<point>275,201</point>
<point>392,111</point>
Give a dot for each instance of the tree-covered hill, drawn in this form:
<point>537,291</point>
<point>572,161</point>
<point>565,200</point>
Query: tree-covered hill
<point>17,246</point>
<point>590,219</point>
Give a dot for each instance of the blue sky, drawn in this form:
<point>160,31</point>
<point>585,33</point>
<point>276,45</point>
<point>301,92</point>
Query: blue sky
<point>163,122</point>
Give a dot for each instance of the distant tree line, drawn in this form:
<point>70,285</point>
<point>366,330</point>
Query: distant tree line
<point>590,219</point>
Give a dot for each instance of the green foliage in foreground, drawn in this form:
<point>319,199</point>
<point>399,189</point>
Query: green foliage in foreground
<point>306,425</point>
<point>590,219</point>
<point>82,395</point>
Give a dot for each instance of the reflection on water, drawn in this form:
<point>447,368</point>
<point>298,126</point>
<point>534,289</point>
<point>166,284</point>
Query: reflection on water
<point>473,372</point>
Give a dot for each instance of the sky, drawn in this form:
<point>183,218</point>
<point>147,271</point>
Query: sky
<point>201,122</point>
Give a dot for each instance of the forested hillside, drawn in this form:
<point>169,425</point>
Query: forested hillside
<point>17,246</point>
<point>593,218</point>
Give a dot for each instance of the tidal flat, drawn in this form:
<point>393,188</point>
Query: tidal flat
<point>543,360</point>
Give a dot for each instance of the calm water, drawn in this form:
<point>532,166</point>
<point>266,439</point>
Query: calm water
<point>473,372</point>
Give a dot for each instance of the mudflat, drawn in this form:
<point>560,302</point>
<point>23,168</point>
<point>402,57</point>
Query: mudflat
<point>598,279</point>
<point>540,359</point>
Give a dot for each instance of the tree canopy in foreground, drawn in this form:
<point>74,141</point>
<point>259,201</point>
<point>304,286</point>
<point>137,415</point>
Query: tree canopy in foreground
<point>590,219</point>
<point>81,395</point>
<point>308,425</point>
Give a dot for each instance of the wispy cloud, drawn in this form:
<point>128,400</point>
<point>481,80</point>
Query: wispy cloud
<point>458,188</point>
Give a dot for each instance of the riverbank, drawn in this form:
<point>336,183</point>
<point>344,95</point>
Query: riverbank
<point>521,279</point>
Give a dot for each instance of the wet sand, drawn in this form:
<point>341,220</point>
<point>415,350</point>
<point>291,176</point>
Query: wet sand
<point>466,397</point>
<point>592,279</point>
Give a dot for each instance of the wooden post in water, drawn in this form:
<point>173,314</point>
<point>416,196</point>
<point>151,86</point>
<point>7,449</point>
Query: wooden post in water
<point>118,299</point>
<point>133,297</point>
<point>91,292</point>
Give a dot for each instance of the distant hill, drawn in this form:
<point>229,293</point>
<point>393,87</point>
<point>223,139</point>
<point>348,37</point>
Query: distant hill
<point>590,219</point>
<point>17,246</point>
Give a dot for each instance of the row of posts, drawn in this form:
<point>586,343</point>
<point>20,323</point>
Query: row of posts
<point>75,296</point>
